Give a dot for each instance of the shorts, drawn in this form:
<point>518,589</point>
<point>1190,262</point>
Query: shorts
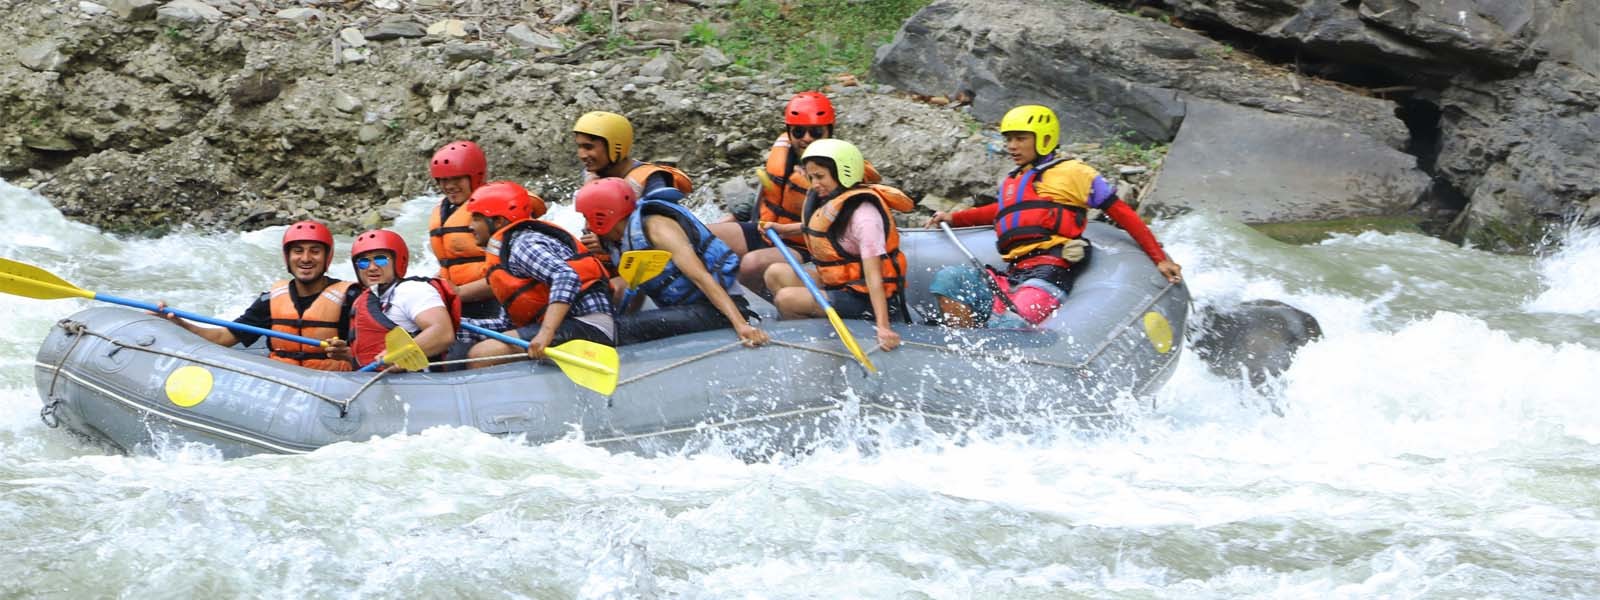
<point>966,284</point>
<point>851,304</point>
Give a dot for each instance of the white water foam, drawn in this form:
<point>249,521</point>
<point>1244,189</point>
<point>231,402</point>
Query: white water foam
<point>1571,277</point>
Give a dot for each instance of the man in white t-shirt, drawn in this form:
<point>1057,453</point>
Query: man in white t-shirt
<point>415,305</point>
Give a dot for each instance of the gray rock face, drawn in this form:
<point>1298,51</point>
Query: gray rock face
<point>1105,73</point>
<point>1259,167</point>
<point>525,36</point>
<point>1524,151</point>
<point>664,65</point>
<point>1435,35</point>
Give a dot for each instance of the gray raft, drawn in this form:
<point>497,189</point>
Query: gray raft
<point>103,373</point>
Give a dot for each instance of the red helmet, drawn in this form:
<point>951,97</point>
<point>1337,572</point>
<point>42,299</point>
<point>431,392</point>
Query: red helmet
<point>605,202</point>
<point>382,239</point>
<point>309,231</point>
<point>808,108</point>
<point>505,199</point>
<point>460,158</point>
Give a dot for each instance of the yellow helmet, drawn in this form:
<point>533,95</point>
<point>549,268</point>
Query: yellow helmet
<point>846,158</point>
<point>1037,120</point>
<point>615,128</point>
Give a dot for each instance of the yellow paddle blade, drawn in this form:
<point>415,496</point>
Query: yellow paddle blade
<point>850,341</point>
<point>587,364</point>
<point>400,350</point>
<point>639,266</point>
<point>765,179</point>
<point>28,281</point>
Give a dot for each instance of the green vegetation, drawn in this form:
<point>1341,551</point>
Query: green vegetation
<point>174,34</point>
<point>1132,153</point>
<point>813,40</point>
<point>594,22</point>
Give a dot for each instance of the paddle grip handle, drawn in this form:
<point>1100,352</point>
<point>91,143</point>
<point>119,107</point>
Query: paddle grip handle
<point>794,263</point>
<point>518,342</point>
<point>209,320</point>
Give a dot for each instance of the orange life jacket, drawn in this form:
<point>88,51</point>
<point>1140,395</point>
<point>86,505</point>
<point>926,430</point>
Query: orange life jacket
<point>784,186</point>
<point>319,322</point>
<point>525,298</point>
<point>825,224</point>
<point>460,259</point>
<point>641,172</point>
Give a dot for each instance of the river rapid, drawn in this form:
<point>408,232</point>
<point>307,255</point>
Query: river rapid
<point>1442,441</point>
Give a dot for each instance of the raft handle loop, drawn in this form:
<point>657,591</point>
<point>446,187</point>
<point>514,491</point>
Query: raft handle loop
<point>76,329</point>
<point>48,414</point>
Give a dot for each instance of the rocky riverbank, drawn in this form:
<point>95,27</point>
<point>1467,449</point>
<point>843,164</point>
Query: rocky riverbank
<point>144,115</point>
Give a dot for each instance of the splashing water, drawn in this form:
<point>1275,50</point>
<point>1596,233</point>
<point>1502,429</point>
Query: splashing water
<point>1440,441</point>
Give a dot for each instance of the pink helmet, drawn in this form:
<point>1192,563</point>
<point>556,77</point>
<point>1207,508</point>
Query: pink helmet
<point>460,158</point>
<point>382,239</point>
<point>605,202</point>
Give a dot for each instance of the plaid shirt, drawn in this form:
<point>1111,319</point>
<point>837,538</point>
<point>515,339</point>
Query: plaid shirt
<point>544,258</point>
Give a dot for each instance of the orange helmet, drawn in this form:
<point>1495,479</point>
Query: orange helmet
<point>505,199</point>
<point>308,231</point>
<point>605,202</point>
<point>382,239</point>
<point>808,108</point>
<point>460,158</point>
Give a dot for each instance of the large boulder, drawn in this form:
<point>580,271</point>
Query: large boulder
<point>1105,73</point>
<point>1260,167</point>
<point>1402,35</point>
<point>1523,151</point>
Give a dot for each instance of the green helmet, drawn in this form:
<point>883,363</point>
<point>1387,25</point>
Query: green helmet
<point>845,156</point>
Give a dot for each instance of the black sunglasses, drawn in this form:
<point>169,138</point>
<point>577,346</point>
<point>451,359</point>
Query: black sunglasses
<point>817,131</point>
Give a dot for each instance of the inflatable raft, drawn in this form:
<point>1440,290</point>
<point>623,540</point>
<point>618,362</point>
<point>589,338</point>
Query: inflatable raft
<point>130,380</point>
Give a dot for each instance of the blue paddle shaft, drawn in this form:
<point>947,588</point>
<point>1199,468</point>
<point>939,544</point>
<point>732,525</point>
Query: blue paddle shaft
<point>209,320</point>
<point>372,366</point>
<point>794,263</point>
<point>520,343</point>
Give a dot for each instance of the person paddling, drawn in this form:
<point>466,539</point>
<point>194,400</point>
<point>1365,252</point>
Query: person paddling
<point>854,243</point>
<point>427,308</point>
<point>808,117</point>
<point>1038,221</point>
<point>553,289</point>
<point>311,305</point>
<point>697,291</point>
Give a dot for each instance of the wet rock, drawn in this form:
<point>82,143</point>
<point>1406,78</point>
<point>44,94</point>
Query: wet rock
<point>1523,151</point>
<point>395,28</point>
<point>664,66</point>
<point>524,36</point>
<point>187,12</point>
<point>1228,159</point>
<point>43,56</point>
<point>1095,68</point>
<point>1256,340</point>
<point>133,10</point>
